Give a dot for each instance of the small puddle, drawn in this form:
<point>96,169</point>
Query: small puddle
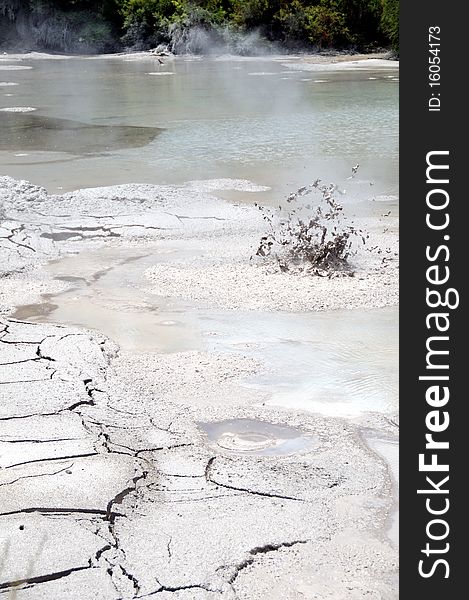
<point>252,436</point>
<point>26,131</point>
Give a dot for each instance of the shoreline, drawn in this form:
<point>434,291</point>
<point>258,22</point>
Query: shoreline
<point>376,60</point>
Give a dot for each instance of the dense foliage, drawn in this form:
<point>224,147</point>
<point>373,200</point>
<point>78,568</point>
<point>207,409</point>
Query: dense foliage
<point>97,25</point>
<point>390,21</point>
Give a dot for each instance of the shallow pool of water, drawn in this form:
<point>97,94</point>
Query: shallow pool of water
<point>107,294</point>
<point>253,119</point>
<point>341,363</point>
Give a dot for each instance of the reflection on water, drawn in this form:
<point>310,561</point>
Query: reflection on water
<point>25,131</point>
<point>333,362</point>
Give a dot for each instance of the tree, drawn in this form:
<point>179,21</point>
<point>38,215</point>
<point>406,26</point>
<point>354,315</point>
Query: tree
<point>94,25</point>
<point>390,21</point>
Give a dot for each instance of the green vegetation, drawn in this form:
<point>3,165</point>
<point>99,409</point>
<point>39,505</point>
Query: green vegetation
<point>390,21</point>
<point>100,25</point>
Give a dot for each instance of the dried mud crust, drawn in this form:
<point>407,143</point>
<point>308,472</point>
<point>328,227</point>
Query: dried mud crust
<point>218,239</point>
<point>109,489</point>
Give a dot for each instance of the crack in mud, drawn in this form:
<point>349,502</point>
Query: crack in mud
<point>19,362</point>
<point>68,467</point>
<point>209,478</point>
<point>120,497</point>
<point>11,585</point>
<point>14,231</point>
<point>104,514</point>
<point>251,557</point>
<point>115,561</point>
<point>31,441</point>
<point>52,459</point>
<point>180,588</point>
<point>181,218</point>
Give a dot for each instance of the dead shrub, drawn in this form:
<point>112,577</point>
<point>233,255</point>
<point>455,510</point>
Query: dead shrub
<point>314,237</point>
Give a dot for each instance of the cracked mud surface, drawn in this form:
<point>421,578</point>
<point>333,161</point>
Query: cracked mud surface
<point>129,499</point>
<point>110,490</point>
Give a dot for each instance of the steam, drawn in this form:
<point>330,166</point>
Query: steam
<point>218,41</point>
<point>46,28</point>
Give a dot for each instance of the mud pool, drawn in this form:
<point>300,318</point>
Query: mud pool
<point>340,363</point>
<point>159,414</point>
<point>269,120</point>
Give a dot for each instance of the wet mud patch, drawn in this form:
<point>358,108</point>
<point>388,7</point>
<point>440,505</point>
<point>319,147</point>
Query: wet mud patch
<point>253,436</point>
<point>387,447</point>
<point>60,236</point>
<point>26,131</point>
<point>36,311</point>
<point>106,294</point>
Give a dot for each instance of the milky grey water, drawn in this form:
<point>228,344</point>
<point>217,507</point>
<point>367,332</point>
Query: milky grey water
<point>340,363</point>
<point>196,119</point>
